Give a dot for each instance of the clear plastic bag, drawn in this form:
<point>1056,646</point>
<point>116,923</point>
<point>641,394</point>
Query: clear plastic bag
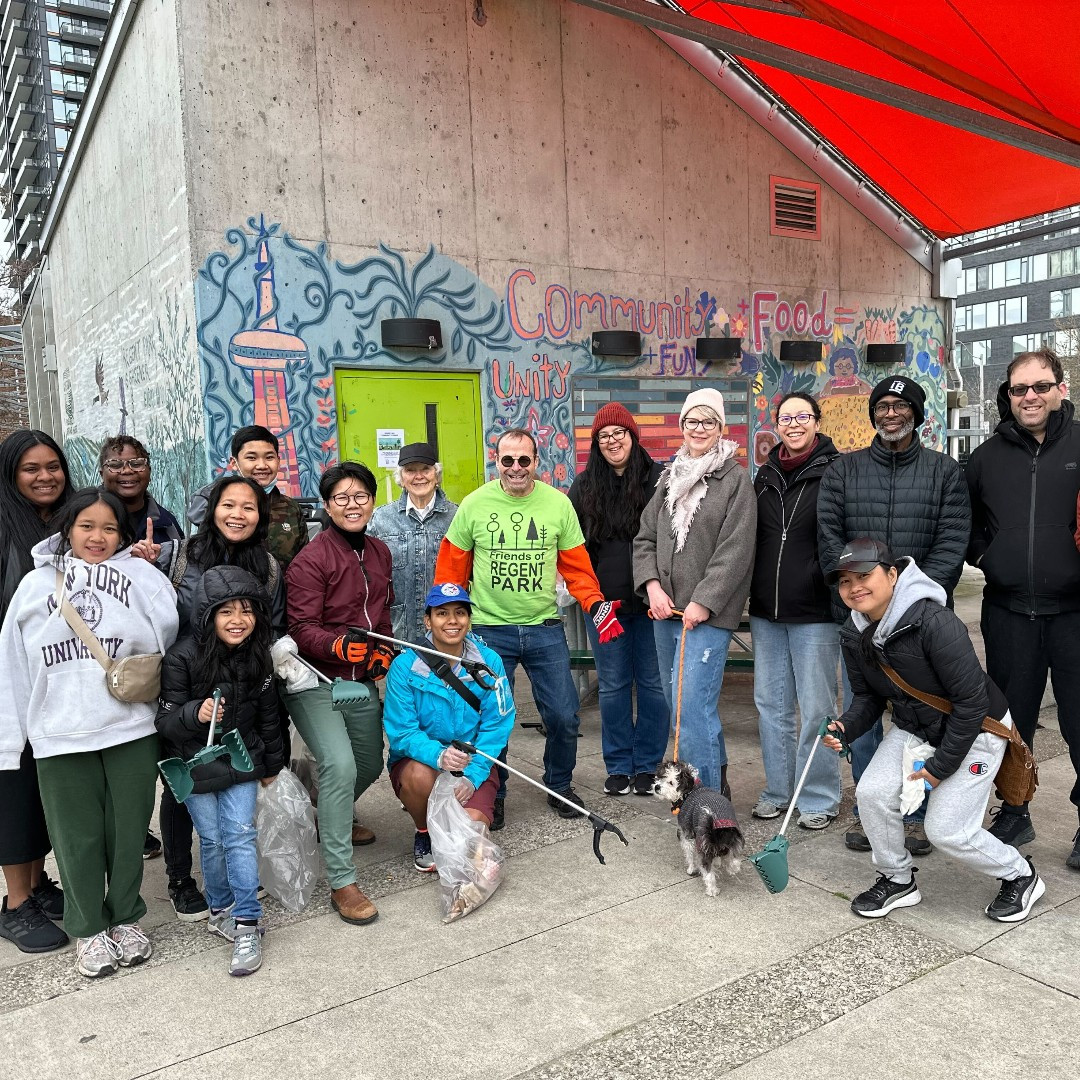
<point>288,849</point>
<point>469,862</point>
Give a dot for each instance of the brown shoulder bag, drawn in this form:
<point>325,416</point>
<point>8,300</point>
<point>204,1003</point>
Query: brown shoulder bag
<point>1017,775</point>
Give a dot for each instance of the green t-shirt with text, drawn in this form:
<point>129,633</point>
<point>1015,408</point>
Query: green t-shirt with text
<point>515,544</point>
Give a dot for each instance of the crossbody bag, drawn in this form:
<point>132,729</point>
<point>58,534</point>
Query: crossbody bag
<point>1017,775</point>
<point>131,678</point>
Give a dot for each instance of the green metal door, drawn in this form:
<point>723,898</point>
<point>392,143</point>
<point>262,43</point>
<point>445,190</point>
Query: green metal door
<point>441,408</point>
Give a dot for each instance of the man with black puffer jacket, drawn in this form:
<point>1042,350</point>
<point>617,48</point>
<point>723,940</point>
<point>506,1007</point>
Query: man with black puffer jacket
<point>1024,483</point>
<point>914,500</point>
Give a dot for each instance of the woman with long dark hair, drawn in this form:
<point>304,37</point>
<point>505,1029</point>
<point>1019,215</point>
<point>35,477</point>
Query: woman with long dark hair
<point>609,495</point>
<point>34,484</point>
<point>233,532</point>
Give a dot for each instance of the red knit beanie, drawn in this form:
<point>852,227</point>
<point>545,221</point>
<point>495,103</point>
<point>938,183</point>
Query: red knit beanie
<point>614,415</point>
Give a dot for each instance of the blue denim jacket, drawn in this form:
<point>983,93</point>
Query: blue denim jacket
<point>414,545</point>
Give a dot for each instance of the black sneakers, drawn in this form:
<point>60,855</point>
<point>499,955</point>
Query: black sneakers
<point>28,928</point>
<point>884,895</point>
<point>189,904</point>
<point>1073,861</point>
<point>617,784</point>
<point>562,809</point>
<point>49,898</point>
<point>1012,825</point>
<point>498,815</point>
<point>1015,898</point>
<point>643,783</point>
<point>151,846</point>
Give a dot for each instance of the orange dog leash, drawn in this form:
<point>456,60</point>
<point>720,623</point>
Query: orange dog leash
<point>678,695</point>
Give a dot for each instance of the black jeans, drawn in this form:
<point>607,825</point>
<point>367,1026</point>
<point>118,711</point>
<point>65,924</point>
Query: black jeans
<point>1020,651</point>
<point>176,830</point>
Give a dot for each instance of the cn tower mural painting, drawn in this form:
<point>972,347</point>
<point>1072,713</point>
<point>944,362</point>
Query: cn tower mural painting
<point>276,317</point>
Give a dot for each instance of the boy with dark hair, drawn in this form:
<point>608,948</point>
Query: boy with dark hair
<point>255,455</point>
<point>124,467</point>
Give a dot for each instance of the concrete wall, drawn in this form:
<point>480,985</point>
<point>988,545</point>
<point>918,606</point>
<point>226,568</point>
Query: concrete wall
<point>120,260</point>
<point>386,158</point>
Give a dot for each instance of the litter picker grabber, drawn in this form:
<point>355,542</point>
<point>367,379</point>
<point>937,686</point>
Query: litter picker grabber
<point>176,772</point>
<point>771,862</point>
<point>342,691</point>
<point>477,669</point>
<point>600,825</point>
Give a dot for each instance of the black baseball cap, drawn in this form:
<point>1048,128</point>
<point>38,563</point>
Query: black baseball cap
<point>860,556</point>
<point>416,453</point>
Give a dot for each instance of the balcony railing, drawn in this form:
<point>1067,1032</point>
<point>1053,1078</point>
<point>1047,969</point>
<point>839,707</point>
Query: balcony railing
<point>75,87</point>
<point>82,31</point>
<point>13,9</point>
<point>30,228</point>
<point>97,8</point>
<point>29,200</point>
<point>16,31</point>
<point>77,59</point>
<point>29,171</point>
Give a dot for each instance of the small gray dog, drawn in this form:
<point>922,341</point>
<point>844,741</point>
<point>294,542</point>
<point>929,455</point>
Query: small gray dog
<point>708,829</point>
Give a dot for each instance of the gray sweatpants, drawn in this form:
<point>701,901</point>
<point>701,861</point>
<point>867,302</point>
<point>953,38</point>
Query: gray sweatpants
<point>954,811</point>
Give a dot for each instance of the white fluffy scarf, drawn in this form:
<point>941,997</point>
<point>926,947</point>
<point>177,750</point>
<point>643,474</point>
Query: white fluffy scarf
<point>686,485</point>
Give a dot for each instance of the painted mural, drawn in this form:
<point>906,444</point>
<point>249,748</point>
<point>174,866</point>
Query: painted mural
<point>277,317</point>
<point>138,380</point>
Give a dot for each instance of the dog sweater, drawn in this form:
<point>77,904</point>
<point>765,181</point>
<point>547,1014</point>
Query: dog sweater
<point>704,806</point>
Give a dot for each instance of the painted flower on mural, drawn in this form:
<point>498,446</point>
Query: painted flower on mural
<point>761,402</point>
<point>329,446</point>
<point>562,442</point>
<point>546,476</point>
<point>739,326</point>
<point>325,383</point>
<point>560,472</point>
<point>323,420</point>
<point>509,404</point>
<point>541,432</point>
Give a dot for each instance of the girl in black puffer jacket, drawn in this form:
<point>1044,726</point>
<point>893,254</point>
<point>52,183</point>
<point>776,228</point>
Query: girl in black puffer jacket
<point>229,648</point>
<point>899,620</point>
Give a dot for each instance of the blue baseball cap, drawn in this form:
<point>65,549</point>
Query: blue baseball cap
<point>446,594</point>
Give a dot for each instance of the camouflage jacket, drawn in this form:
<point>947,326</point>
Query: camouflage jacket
<point>288,529</point>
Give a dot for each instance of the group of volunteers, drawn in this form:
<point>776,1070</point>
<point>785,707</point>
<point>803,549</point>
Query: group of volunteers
<point>847,561</point>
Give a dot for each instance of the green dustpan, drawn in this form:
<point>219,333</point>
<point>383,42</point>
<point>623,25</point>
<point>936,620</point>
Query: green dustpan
<point>771,861</point>
<point>342,691</point>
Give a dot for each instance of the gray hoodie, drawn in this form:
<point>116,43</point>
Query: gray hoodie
<point>911,585</point>
<point>52,689</point>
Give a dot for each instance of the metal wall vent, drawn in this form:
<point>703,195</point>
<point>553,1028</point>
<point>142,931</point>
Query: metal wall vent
<point>795,208</point>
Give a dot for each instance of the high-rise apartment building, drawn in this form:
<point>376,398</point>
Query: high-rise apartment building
<point>47,53</point>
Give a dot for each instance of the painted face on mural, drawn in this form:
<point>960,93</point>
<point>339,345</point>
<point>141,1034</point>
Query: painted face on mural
<point>259,461</point>
<point>844,367</point>
<point>95,534</point>
<point>701,430</point>
<point>128,482</point>
<point>39,477</point>
<point>236,515</point>
<point>615,444</point>
<point>797,425</point>
<point>1033,410</point>
<point>419,481</point>
<point>515,457</point>
<point>350,505</point>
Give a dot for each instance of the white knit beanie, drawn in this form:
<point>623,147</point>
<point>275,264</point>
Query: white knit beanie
<point>710,398</point>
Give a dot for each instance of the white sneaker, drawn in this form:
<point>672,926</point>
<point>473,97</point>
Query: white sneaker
<point>96,956</point>
<point>247,951</point>
<point>134,945</point>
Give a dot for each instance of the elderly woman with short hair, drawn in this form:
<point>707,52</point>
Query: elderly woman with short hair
<point>412,527</point>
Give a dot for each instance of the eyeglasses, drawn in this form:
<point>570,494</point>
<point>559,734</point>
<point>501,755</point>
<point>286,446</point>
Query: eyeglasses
<point>798,418</point>
<point>361,498</point>
<point>1020,389</point>
<point>692,423</point>
<point>901,408</point>
<point>616,434</point>
<point>135,464</point>
<point>523,462</point>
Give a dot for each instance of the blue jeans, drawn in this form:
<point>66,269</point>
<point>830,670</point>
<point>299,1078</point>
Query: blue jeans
<point>864,748</point>
<point>225,822</point>
<point>701,736</point>
<point>795,663</point>
<point>628,661</point>
<point>543,653</point>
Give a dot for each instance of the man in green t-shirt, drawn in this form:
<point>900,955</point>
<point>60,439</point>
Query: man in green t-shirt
<point>509,538</point>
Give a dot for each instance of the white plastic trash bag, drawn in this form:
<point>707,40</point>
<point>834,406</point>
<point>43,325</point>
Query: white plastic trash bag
<point>914,791</point>
<point>288,849</point>
<point>469,862</point>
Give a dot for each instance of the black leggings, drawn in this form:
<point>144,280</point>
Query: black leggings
<point>176,833</point>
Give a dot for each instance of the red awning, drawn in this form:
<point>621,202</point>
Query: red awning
<point>990,128</point>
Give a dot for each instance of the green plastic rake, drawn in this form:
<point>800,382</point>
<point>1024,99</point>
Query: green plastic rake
<point>342,691</point>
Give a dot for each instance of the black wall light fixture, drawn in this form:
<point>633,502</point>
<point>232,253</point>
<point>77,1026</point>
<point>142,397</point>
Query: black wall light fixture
<point>802,352</point>
<point>616,343</point>
<point>411,334</point>
<point>886,354</point>
<point>719,348</point>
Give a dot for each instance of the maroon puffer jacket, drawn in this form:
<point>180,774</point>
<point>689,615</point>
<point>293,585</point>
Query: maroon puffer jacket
<point>330,587</point>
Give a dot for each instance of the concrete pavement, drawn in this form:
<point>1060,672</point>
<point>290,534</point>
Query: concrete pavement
<point>576,970</point>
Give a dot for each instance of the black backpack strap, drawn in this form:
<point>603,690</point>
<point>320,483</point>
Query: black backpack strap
<point>442,669</point>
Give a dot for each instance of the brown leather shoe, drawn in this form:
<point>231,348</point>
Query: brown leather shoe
<point>352,905</point>
<point>361,836</point>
